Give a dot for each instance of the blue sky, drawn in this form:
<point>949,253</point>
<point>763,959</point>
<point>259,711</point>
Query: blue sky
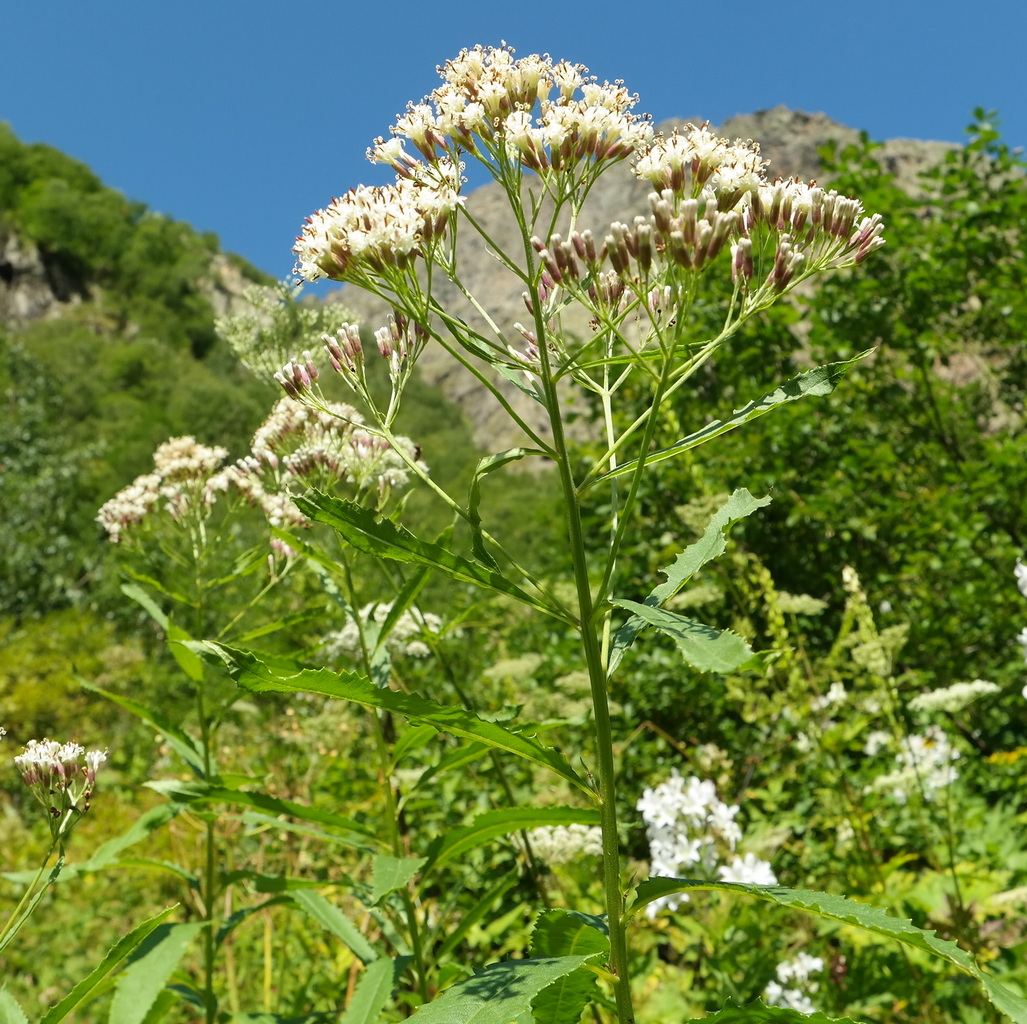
<point>243,117</point>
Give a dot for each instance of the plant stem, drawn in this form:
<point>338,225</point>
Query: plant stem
<point>591,642</point>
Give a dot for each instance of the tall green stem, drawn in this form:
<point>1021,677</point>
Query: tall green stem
<point>591,642</point>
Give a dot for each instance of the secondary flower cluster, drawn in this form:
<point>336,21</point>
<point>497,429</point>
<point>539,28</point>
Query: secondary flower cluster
<point>404,637</point>
<point>794,972</point>
<point>62,777</point>
<point>487,100</point>
<point>925,762</point>
<point>295,446</point>
<point>547,117</point>
<point>687,826</point>
<point>565,844</point>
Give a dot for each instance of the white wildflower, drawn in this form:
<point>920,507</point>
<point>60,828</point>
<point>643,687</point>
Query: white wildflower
<point>1020,572</point>
<point>562,844</point>
<point>834,696</point>
<point>748,869</point>
<point>62,777</point>
<point>794,971</point>
<point>405,639</point>
<point>953,698</point>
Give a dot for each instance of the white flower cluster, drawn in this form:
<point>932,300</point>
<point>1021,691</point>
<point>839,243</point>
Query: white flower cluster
<point>835,695</point>
<point>489,104</point>
<point>405,637</point>
<point>182,468</point>
<point>1020,572</point>
<point>795,971</point>
<point>62,777</point>
<point>953,698</point>
<point>295,444</point>
<point>378,230</point>
<point>563,844</point>
<point>686,825</point>
<point>488,99</point>
<point>925,763</point>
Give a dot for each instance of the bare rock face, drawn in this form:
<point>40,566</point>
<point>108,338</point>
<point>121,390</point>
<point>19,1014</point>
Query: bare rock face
<point>32,286</point>
<point>788,138</point>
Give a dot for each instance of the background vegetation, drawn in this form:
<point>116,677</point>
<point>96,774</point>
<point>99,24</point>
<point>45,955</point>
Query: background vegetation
<point>913,473</point>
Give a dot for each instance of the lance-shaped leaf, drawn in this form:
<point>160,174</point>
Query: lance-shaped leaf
<point>374,534</point>
<point>499,994</point>
<point>819,381</point>
<point>459,841</point>
<point>846,911</point>
<point>332,919</point>
<point>200,792</point>
<point>567,933</point>
<point>10,1011</point>
<point>141,982</point>
<point>391,873</point>
<point>270,674</point>
<point>758,1012</point>
<point>687,564</point>
<point>703,647</point>
<point>117,953</point>
<point>372,992</point>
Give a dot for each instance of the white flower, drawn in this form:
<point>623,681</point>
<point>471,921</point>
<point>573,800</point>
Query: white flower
<point>1020,572</point>
<point>876,741</point>
<point>953,698</point>
<point>748,869</point>
<point>835,695</point>
<point>1021,639</point>
<point>562,844</point>
<point>53,773</point>
<point>344,644</point>
<point>797,970</point>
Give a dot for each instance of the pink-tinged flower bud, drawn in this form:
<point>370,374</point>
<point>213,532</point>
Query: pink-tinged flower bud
<point>300,377</point>
<point>663,210</point>
<point>741,260</point>
<point>528,303</point>
<point>679,250</point>
<point>310,367</point>
<point>384,338</point>
<point>644,236</point>
<point>552,267</point>
<point>290,388</point>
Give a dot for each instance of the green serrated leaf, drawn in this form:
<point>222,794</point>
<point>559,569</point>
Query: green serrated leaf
<point>687,564</point>
<point>151,966</point>
<point>333,920</point>
<point>459,841</point>
<point>813,383</point>
<point>391,873</point>
<point>199,792</point>
<point>270,674</point>
<point>499,994</point>
<point>147,603</point>
<point>712,544</point>
<point>372,993</point>
<point>846,911</point>
<point>10,1011</point>
<point>703,647</point>
<point>374,534</point>
<point>109,963</point>
<point>758,1012</point>
<point>567,933</point>
<point>188,661</point>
